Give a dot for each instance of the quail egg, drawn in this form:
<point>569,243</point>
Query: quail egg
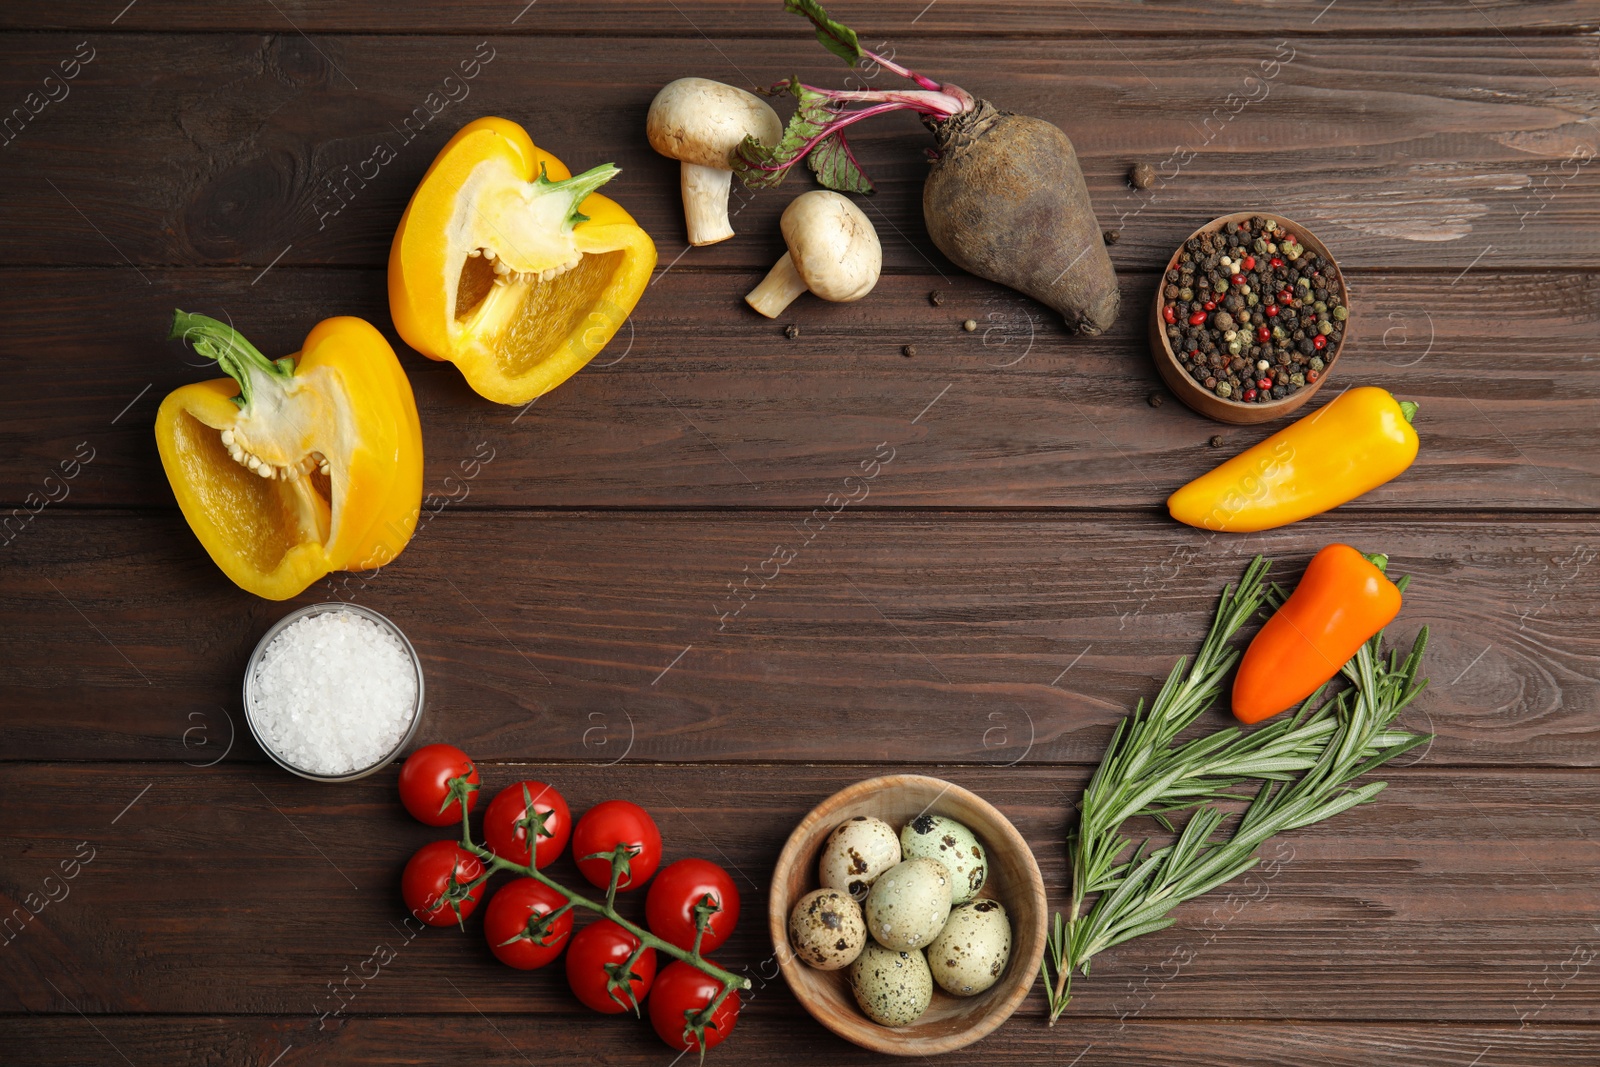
<point>971,951</point>
<point>908,904</point>
<point>826,929</point>
<point>938,838</point>
<point>893,988</point>
<point>856,853</point>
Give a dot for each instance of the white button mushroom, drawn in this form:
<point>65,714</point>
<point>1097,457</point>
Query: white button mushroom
<point>833,252</point>
<point>700,122</point>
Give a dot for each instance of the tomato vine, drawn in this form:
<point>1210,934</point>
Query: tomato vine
<point>696,1022</point>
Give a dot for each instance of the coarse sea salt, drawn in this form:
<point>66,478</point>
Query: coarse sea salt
<point>333,693</point>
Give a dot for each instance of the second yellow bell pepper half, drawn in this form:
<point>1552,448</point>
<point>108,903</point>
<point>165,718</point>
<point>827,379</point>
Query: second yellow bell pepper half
<point>291,468</point>
<point>509,267</point>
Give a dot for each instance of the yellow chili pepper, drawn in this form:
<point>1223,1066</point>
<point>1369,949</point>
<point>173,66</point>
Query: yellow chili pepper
<point>1347,447</point>
<point>292,468</point>
<point>510,268</point>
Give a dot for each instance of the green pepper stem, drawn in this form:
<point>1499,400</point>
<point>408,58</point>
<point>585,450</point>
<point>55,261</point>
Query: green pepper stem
<point>236,356</point>
<point>1408,409</point>
<point>579,186</point>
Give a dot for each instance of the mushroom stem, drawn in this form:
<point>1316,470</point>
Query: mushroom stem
<point>778,289</point>
<point>705,203</point>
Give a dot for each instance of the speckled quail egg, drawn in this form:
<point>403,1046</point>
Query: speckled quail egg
<point>971,951</point>
<point>856,853</point>
<point>908,904</point>
<point>827,930</point>
<point>893,988</point>
<point>938,838</point>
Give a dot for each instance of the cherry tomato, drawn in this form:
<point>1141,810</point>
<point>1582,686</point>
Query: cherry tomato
<point>435,880</point>
<point>680,992</point>
<point>669,909</point>
<point>601,945</point>
<point>509,819</point>
<point>605,826</point>
<point>425,784</point>
<point>516,906</point>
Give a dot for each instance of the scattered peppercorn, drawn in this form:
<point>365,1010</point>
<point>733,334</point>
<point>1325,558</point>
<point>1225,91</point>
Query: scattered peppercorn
<point>1156,400</point>
<point>970,325</point>
<point>1216,441</point>
<point>936,298</point>
<point>1141,176</point>
<point>909,350</point>
<point>791,331</point>
<point>1236,344</point>
<point>1112,236</point>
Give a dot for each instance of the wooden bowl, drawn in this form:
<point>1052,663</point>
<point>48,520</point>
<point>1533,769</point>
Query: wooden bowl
<point>950,1022</point>
<point>1196,395</point>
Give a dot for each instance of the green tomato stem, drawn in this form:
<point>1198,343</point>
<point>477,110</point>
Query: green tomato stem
<point>495,863</point>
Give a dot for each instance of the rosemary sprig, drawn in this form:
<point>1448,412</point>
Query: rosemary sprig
<point>1301,765</point>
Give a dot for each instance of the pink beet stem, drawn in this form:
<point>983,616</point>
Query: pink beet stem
<point>849,118</point>
<point>894,68</point>
<point>933,101</point>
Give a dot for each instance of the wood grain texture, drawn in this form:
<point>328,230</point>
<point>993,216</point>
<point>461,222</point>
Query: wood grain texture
<point>582,1040</point>
<point>1457,895</point>
<point>699,403</point>
<point>900,19</point>
<point>1004,593</point>
<point>1402,153</point>
<point>940,637</point>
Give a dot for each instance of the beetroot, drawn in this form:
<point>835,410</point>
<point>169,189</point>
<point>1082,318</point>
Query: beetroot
<point>1005,198</point>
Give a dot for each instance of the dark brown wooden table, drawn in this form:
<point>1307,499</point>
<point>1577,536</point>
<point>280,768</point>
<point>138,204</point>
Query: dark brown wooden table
<point>1010,586</point>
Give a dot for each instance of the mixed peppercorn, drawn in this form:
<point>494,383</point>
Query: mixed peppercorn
<point>1250,312</point>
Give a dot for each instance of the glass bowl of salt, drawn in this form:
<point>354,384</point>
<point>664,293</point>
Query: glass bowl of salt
<point>333,692</point>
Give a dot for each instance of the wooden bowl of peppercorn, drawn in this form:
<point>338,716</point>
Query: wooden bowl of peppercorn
<point>1301,342</point>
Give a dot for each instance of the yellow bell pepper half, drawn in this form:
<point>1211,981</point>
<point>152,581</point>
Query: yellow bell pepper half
<point>292,468</point>
<point>509,267</point>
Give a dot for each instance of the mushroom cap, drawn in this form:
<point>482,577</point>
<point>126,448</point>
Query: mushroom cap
<point>696,120</point>
<point>833,245</point>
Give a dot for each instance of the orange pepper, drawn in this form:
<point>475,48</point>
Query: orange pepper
<point>1343,599</point>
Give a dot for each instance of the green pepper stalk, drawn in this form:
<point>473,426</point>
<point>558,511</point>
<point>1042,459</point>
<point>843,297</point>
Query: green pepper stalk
<point>238,358</point>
